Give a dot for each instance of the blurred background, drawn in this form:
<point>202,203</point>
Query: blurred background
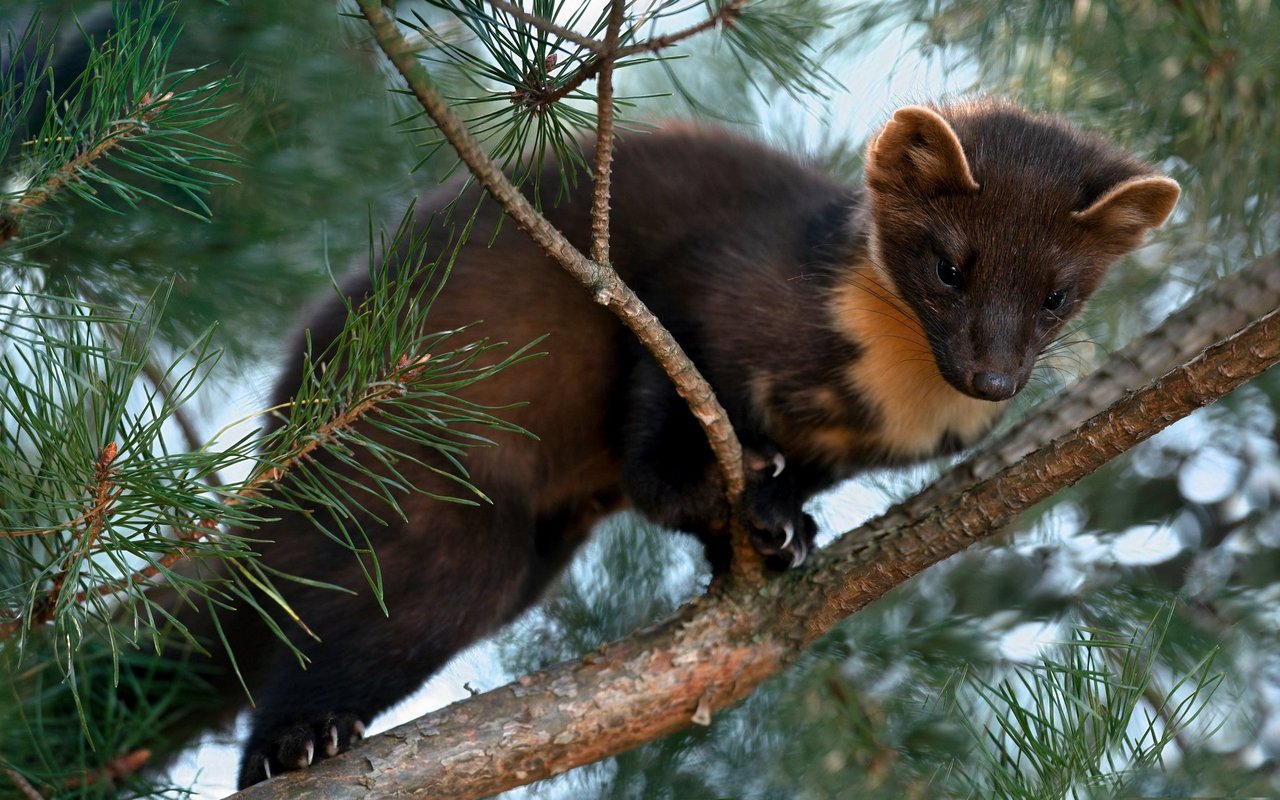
<point>1121,640</point>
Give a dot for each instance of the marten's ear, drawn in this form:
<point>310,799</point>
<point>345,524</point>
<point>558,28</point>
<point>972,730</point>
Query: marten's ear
<point>1131,208</point>
<point>918,151</point>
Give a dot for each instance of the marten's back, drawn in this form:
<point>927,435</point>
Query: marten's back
<point>706,227</point>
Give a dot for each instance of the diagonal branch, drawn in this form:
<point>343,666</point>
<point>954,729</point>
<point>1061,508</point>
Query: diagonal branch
<point>599,279</point>
<point>721,647</point>
<point>133,125</point>
<point>607,56</point>
<point>548,26</point>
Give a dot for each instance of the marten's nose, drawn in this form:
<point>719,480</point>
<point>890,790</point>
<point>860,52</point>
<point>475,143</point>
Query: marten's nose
<point>994,385</point>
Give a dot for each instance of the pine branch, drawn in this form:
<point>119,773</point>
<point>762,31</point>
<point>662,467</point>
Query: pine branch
<point>721,647</point>
<point>190,433</point>
<point>608,53</point>
<point>722,17</point>
<point>253,492</point>
<point>125,109</point>
<point>604,285</point>
<point>23,786</point>
<point>543,24</point>
<point>159,379</point>
<point>1161,702</point>
<point>539,99</point>
<point>604,142</point>
<point>135,124</point>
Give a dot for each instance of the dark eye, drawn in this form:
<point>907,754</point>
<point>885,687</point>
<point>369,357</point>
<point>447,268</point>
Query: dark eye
<point>1054,301</point>
<point>948,274</point>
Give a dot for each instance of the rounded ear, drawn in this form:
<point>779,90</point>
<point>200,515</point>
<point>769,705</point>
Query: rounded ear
<point>1132,207</point>
<point>918,150</point>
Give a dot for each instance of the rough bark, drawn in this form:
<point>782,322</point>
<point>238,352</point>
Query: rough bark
<point>719,648</point>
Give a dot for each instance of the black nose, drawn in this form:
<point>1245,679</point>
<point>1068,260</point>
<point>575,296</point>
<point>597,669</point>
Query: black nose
<point>994,385</point>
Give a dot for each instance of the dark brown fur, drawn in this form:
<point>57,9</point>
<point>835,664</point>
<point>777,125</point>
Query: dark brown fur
<point>814,308</point>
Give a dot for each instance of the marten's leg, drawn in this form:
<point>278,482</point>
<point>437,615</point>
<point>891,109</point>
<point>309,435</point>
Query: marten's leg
<point>670,476</point>
<point>451,574</point>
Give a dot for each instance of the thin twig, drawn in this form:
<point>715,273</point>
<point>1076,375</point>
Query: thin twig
<point>601,281</point>
<point>105,494</point>
<point>113,771</point>
<point>724,15</point>
<point>23,785</point>
<point>604,142</point>
<point>158,380</point>
<point>540,98</point>
<point>548,26</point>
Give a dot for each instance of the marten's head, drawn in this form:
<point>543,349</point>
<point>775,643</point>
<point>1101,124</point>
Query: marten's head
<point>995,225</point>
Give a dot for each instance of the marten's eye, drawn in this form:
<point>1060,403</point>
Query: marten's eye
<point>948,274</point>
<point>1054,301</point>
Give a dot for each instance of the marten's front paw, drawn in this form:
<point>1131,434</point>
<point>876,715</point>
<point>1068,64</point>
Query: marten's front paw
<point>780,530</point>
<point>784,539</point>
<point>299,746</point>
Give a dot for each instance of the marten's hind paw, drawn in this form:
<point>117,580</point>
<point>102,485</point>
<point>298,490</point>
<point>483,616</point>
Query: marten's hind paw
<point>298,747</point>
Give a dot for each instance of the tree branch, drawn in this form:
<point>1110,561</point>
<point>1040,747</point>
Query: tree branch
<point>724,15</point>
<point>547,26</point>
<point>135,123</point>
<point>599,279</point>
<point>719,648</point>
<point>606,56</point>
<point>1212,315</point>
<point>23,786</point>
<point>604,142</point>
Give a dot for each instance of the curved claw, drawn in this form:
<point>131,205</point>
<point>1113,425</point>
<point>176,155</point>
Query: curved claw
<point>779,464</point>
<point>790,530</point>
<point>798,557</point>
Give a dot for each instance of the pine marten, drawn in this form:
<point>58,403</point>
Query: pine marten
<point>842,328</point>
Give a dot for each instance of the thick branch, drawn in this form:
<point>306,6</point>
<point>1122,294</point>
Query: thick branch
<point>720,648</point>
<point>599,279</point>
